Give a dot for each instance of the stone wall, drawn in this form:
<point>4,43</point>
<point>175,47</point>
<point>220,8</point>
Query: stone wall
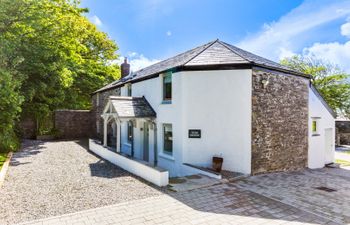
<point>98,103</point>
<point>279,122</point>
<point>343,132</point>
<point>73,124</point>
<point>27,128</point>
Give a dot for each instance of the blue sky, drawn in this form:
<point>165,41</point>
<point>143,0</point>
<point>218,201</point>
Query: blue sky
<point>147,31</point>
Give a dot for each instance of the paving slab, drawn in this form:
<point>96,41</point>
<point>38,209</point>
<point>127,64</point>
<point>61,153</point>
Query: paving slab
<point>302,190</point>
<point>192,182</point>
<point>218,204</point>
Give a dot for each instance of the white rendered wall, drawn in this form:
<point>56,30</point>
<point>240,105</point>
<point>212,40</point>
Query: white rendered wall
<point>317,155</point>
<point>219,104</point>
<point>166,113</point>
<point>153,175</point>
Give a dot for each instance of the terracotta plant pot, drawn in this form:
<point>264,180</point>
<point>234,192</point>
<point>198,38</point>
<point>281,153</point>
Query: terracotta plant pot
<point>217,163</point>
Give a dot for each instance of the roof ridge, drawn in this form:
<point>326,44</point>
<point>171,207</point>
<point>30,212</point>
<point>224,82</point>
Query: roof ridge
<point>211,43</point>
<point>182,53</point>
<point>235,52</point>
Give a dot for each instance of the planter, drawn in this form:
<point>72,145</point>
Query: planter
<point>217,163</point>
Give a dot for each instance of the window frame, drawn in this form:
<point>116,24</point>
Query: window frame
<point>167,79</point>
<point>315,123</point>
<point>164,150</point>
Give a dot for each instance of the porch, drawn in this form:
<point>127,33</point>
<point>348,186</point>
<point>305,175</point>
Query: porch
<point>129,138</point>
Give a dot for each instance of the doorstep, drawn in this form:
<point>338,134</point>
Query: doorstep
<point>224,175</point>
<point>191,182</point>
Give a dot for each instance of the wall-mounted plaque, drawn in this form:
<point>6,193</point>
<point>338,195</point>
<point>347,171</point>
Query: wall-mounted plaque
<point>194,133</point>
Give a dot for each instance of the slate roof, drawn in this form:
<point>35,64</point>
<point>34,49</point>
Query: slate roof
<point>213,53</point>
<point>132,107</point>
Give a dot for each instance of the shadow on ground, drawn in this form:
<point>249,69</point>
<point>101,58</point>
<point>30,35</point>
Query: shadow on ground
<point>227,201</point>
<point>28,149</point>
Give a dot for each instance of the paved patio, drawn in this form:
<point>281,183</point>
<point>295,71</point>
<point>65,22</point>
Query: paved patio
<point>54,178</point>
<point>219,204</point>
<point>299,189</point>
<point>62,183</point>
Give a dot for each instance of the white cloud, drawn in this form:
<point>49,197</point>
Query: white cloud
<point>97,21</point>
<point>345,29</point>
<point>335,52</point>
<point>137,61</point>
<point>282,37</point>
<point>168,33</point>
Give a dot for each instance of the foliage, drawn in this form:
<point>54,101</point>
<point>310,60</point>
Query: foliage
<point>342,162</point>
<point>10,102</point>
<point>3,157</point>
<point>54,53</point>
<point>329,80</point>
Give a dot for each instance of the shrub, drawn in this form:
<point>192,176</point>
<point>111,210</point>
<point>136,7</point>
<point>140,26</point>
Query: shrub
<point>10,107</point>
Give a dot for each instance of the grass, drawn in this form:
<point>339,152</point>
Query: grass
<point>342,162</point>
<point>3,157</point>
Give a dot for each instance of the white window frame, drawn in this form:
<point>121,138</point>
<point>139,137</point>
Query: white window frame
<point>316,121</point>
<point>164,151</point>
<point>164,75</point>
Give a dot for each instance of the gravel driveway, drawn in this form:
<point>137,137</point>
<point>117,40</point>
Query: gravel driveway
<point>53,178</point>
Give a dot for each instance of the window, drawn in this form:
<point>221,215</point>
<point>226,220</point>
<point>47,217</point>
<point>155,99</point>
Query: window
<point>167,87</point>
<point>315,127</point>
<point>168,139</point>
<point>129,90</point>
<point>130,131</point>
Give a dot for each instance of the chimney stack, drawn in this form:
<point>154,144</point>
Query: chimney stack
<point>125,68</point>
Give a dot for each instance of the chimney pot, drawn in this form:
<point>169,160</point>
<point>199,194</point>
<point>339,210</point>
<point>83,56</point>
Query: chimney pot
<point>125,68</point>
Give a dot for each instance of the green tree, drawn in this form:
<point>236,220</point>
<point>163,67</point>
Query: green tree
<point>58,55</point>
<point>329,79</point>
<point>10,102</point>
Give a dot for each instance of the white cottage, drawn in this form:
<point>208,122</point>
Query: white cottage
<point>171,118</point>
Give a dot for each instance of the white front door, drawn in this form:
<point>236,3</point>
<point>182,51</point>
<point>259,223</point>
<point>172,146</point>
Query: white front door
<point>329,145</point>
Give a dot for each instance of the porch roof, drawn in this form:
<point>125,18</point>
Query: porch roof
<point>132,107</point>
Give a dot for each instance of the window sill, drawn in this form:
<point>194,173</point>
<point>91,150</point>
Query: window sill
<point>165,156</point>
<point>166,102</point>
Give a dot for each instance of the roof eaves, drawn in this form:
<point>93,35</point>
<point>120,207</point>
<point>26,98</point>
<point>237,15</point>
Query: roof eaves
<point>293,72</point>
<point>264,65</point>
<point>149,105</point>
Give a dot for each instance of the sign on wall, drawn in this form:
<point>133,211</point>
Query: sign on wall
<point>194,133</point>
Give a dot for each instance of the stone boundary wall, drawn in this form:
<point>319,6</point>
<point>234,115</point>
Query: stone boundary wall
<point>28,128</point>
<point>72,124</point>
<point>279,121</point>
<point>342,132</point>
<point>99,101</point>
